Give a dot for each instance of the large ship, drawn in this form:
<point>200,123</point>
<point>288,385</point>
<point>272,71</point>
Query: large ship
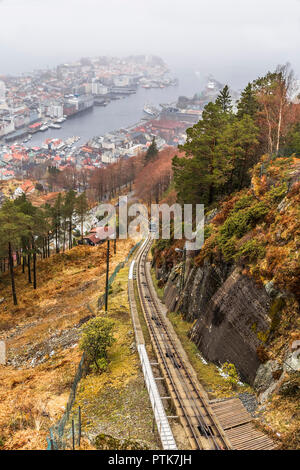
<point>151,110</point>
<point>54,126</point>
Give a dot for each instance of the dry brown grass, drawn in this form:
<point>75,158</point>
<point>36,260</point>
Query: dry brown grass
<point>33,398</point>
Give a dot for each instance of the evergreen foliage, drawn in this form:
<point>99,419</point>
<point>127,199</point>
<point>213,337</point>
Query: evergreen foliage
<point>96,338</point>
<point>152,151</point>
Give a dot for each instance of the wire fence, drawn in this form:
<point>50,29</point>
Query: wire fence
<point>59,435</point>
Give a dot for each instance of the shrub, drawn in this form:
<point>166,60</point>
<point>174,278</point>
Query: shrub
<point>244,202</point>
<point>244,220</point>
<point>237,225</point>
<point>228,249</point>
<point>207,231</point>
<point>96,338</point>
<point>252,250</point>
<point>231,373</point>
<point>277,192</point>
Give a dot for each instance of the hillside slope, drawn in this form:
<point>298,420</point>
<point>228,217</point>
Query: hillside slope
<point>241,291</point>
<point>42,340</point>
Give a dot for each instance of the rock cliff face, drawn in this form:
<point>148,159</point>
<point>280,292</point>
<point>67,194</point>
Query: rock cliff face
<point>229,311</point>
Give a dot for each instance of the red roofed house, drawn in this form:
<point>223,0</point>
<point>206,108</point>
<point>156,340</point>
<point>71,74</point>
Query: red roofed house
<point>26,188</point>
<point>98,235</point>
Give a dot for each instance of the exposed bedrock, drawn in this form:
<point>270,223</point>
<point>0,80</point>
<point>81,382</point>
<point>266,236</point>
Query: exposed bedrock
<point>229,310</point>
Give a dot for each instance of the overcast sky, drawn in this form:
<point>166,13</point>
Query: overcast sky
<point>235,40</point>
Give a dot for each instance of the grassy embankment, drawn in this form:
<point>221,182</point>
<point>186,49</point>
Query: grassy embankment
<point>42,336</point>
<point>115,404</point>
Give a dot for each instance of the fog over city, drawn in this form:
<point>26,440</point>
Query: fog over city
<point>234,40</point>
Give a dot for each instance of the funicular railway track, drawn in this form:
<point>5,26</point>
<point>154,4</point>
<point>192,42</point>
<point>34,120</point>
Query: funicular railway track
<point>201,426</point>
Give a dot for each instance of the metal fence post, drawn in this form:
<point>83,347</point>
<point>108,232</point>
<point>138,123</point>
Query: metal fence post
<point>73,435</point>
<point>79,425</point>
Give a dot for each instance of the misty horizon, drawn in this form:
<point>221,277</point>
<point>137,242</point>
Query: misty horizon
<point>235,42</point>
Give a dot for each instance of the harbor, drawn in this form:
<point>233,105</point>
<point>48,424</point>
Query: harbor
<point>119,113</point>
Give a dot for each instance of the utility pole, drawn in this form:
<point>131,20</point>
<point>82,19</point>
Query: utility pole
<point>107,274</point>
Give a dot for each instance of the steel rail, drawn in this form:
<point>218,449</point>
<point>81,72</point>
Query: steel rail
<point>201,415</point>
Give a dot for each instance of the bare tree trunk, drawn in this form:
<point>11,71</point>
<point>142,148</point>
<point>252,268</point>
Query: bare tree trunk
<point>29,268</point>
<point>70,233</point>
<point>12,276</point>
<point>279,128</point>
<point>270,142</point>
<point>34,264</point>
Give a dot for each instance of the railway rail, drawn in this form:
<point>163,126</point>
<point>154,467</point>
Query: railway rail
<point>202,427</point>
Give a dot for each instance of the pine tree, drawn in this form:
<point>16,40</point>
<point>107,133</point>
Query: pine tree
<point>56,220</point>
<point>152,151</point>
<point>224,100</point>
<point>219,151</point>
<point>202,171</point>
<point>247,103</point>
<point>13,225</point>
<point>239,142</point>
<point>36,229</point>
<point>292,141</point>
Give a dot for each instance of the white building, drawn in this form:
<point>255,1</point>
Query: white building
<point>99,89</point>
<point>108,157</point>
<point>6,127</point>
<point>122,80</point>
<point>108,145</point>
<point>56,110</point>
<point>135,149</point>
<point>2,92</point>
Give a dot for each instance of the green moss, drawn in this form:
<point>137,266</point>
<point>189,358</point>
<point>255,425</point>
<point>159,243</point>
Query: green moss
<point>107,442</point>
<point>263,336</point>
<point>228,249</point>
<point>275,313</point>
<point>159,290</point>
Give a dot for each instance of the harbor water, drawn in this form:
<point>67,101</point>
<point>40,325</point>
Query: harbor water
<point>121,113</point>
